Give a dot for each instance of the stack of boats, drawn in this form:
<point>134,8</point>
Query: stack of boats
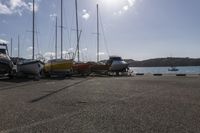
<point>59,67</point>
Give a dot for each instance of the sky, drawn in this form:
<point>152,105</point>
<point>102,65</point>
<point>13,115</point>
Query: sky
<point>132,29</point>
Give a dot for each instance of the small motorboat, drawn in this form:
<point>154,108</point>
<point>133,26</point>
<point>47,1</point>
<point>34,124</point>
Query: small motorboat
<point>117,64</point>
<point>58,67</point>
<point>30,67</point>
<point>6,65</point>
<point>174,69</point>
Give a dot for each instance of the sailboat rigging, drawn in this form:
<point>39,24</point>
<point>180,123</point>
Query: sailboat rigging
<point>79,67</point>
<point>59,67</point>
<point>31,67</point>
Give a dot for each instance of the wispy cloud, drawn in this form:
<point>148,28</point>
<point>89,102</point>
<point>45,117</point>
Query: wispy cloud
<point>125,7</point>
<point>101,53</point>
<point>49,55</point>
<point>53,16</point>
<point>85,14</point>
<point>4,9</point>
<point>29,49</point>
<point>17,6</point>
<point>84,49</point>
<point>3,41</point>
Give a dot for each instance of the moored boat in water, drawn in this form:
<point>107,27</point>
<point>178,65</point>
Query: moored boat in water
<point>173,69</point>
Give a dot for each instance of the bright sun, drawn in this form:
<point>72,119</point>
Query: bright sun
<point>118,3</point>
<point>112,2</point>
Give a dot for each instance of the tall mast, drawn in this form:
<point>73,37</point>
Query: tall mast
<point>56,38</point>
<point>11,47</point>
<point>18,46</point>
<point>77,30</point>
<point>33,56</point>
<point>97,33</point>
<point>61,29</point>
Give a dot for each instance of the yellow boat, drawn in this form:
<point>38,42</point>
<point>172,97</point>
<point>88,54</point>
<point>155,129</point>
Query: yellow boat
<point>58,67</point>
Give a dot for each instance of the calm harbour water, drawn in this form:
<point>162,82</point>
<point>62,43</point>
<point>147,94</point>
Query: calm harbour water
<point>164,70</point>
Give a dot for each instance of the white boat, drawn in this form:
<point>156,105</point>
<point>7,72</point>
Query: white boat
<point>6,65</point>
<point>30,67</point>
<point>117,64</point>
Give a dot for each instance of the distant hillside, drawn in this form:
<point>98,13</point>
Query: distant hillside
<point>164,62</point>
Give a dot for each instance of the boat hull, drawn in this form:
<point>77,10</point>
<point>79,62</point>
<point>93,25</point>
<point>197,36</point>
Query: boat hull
<point>5,65</point>
<point>5,68</point>
<point>119,66</point>
<point>100,68</point>
<point>82,68</point>
<point>30,68</point>
<point>58,67</point>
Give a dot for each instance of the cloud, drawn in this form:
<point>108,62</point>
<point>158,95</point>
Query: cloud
<point>126,6</point>
<point>49,55</point>
<point>17,7</point>
<point>131,2</point>
<point>101,53</point>
<point>3,41</point>
<point>53,16</point>
<point>29,49</point>
<point>71,49</point>
<point>84,49</point>
<point>4,9</point>
<point>85,14</point>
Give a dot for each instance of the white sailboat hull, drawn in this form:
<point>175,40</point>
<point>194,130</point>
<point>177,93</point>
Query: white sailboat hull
<point>31,68</point>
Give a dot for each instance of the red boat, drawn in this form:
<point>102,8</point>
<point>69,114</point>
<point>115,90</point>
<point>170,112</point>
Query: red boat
<point>82,68</point>
<point>100,68</point>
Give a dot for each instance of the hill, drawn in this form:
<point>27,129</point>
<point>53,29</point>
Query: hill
<point>161,62</point>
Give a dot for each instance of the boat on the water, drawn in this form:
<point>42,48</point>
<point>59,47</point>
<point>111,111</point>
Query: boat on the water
<point>117,64</point>
<point>173,69</point>
<point>58,67</point>
<point>6,65</point>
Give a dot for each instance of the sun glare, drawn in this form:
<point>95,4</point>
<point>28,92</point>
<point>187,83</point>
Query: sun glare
<point>114,3</point>
<point>120,5</point>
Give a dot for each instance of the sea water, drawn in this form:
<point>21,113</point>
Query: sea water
<point>164,70</point>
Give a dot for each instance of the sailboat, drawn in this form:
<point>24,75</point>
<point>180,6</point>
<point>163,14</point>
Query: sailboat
<point>6,65</point>
<point>56,66</point>
<point>114,64</point>
<point>99,67</point>
<point>31,66</point>
<point>79,67</point>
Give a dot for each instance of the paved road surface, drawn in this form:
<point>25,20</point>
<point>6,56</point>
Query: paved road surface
<point>143,104</point>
